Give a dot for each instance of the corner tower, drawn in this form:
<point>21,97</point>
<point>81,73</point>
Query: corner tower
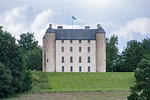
<point>49,57</point>
<point>100,50</point>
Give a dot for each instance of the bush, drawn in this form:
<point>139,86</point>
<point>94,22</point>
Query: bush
<point>5,81</point>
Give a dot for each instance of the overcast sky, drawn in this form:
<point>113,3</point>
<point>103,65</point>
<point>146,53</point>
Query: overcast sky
<point>128,19</point>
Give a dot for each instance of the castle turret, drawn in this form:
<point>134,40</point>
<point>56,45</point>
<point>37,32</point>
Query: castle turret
<point>100,50</point>
<point>49,50</point>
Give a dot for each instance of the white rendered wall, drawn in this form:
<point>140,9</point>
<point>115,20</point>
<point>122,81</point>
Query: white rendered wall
<point>75,54</point>
<point>50,52</point>
<point>101,52</point>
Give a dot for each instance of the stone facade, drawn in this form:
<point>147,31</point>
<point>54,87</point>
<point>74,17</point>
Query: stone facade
<point>74,50</point>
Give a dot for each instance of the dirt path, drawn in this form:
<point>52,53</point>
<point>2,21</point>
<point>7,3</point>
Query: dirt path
<point>113,95</point>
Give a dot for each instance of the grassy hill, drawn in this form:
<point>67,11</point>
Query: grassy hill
<point>59,82</point>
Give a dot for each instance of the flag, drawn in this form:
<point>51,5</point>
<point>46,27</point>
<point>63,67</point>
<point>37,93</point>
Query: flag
<point>74,18</point>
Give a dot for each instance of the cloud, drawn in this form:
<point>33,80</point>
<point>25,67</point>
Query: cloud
<point>25,19</point>
<point>138,26</point>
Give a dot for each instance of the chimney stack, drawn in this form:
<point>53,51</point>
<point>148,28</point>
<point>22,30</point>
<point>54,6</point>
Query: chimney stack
<point>87,27</point>
<point>60,27</point>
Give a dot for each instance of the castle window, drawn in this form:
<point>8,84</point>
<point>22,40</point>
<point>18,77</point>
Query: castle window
<point>62,68</point>
<point>70,41</point>
<point>88,68</point>
<point>62,49</point>
<point>71,68</point>
<point>79,41</point>
<point>80,69</point>
<point>62,41</point>
<point>79,49</point>
<point>71,49</point>
<point>47,60</point>
<point>88,59</point>
<point>62,59</point>
<point>80,60</point>
<point>88,49</point>
<point>71,59</point>
<point>88,41</point>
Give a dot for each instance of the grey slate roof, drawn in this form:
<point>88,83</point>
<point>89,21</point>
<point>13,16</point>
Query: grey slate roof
<point>75,34</point>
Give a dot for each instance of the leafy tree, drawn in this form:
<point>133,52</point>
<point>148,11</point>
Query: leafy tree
<point>31,52</point>
<point>5,81</point>
<point>141,90</point>
<point>111,53</point>
<point>145,45</point>
<point>11,57</point>
<point>33,59</point>
<point>130,57</point>
<point>27,42</point>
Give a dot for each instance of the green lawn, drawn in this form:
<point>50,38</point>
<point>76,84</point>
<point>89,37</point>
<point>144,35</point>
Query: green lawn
<point>61,82</point>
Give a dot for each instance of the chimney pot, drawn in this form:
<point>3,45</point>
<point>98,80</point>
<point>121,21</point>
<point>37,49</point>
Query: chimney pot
<point>98,26</point>
<point>50,25</point>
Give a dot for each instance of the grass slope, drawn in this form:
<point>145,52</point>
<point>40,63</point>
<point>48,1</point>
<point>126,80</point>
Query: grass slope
<point>60,82</point>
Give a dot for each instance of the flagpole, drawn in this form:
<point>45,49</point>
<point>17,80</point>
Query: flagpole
<point>72,22</point>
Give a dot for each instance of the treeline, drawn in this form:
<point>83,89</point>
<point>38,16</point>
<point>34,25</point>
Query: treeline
<point>16,61</point>
<point>129,58</point>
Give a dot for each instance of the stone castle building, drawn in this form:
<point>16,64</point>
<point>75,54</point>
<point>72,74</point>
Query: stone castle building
<point>74,50</point>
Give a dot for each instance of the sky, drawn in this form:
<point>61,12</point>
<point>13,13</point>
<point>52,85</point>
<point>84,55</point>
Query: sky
<point>128,19</point>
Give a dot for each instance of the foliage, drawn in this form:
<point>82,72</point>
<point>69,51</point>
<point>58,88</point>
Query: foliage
<point>27,85</point>
<point>141,90</point>
<point>31,52</point>
<point>40,81</point>
<point>27,42</point>
<point>5,81</point>
<point>131,56</point>
<point>11,57</point>
<point>33,59</point>
<point>111,53</point>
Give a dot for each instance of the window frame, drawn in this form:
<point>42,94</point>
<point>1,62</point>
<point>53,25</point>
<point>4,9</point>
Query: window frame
<point>62,59</point>
<point>80,59</point>
<point>80,68</point>
<point>80,49</point>
<point>88,59</point>
<point>71,68</point>
<point>71,59</point>
<point>62,69</point>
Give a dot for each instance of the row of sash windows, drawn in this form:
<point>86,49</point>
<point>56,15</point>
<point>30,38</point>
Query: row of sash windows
<point>71,59</point>
<point>71,69</point>
<point>71,49</point>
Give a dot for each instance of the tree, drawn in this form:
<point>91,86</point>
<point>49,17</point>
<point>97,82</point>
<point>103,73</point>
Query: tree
<point>145,45</point>
<point>5,81</point>
<point>33,59</point>
<point>141,90</point>
<point>11,57</point>
<point>27,42</point>
<point>111,53</point>
<point>31,52</point>
<point>131,56</point>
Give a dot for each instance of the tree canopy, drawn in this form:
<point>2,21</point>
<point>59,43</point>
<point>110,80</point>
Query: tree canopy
<point>111,53</point>
<point>11,58</point>
<point>31,52</point>
<point>141,90</point>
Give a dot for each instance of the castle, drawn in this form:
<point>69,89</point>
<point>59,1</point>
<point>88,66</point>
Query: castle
<point>74,50</point>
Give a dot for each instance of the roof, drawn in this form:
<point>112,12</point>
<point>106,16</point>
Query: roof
<point>75,34</point>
